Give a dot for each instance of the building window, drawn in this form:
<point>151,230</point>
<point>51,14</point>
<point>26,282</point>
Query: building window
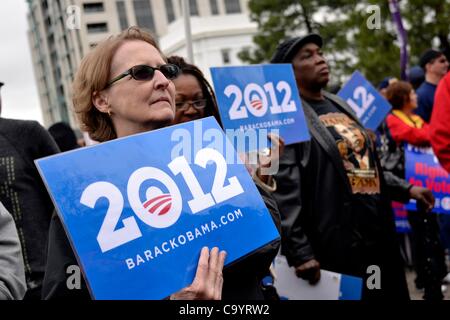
<point>97,27</point>
<point>144,14</point>
<point>122,12</point>
<point>93,7</point>
<point>226,56</point>
<point>169,10</point>
<point>193,9</point>
<point>214,7</point>
<point>232,6</point>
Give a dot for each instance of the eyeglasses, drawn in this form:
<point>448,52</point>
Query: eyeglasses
<point>197,104</point>
<point>146,73</point>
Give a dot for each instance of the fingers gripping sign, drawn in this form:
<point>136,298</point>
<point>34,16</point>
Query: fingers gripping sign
<point>208,281</point>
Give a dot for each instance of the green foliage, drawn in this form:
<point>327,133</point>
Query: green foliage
<point>349,43</point>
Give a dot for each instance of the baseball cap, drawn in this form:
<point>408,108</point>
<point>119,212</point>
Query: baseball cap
<point>428,56</point>
<point>287,49</point>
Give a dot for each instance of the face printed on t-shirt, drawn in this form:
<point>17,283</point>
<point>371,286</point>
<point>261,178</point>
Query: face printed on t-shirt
<point>353,146</point>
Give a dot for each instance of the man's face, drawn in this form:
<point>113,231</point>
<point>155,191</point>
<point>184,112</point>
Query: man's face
<point>438,66</point>
<point>352,135</point>
<point>310,67</point>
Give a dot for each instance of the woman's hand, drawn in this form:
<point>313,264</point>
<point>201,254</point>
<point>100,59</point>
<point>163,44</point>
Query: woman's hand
<point>208,281</point>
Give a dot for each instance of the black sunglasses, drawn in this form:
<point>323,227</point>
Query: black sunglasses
<point>146,73</point>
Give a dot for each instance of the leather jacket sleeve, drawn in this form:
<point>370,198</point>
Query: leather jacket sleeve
<point>398,188</point>
<point>295,245</point>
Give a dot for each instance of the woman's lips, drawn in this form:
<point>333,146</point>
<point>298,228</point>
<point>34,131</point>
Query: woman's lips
<point>162,99</point>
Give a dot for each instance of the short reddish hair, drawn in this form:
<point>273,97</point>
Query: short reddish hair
<point>93,75</point>
<point>398,93</point>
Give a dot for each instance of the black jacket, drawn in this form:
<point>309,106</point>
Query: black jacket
<point>242,280</point>
<point>316,205</point>
<point>23,193</point>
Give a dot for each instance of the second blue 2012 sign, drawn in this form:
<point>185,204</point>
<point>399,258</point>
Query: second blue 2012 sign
<point>260,98</point>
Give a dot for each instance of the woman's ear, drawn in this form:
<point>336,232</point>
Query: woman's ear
<point>100,101</point>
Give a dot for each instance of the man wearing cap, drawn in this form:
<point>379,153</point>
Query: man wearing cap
<point>336,215</point>
<point>435,65</point>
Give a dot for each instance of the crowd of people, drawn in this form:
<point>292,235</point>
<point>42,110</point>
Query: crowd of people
<point>330,200</point>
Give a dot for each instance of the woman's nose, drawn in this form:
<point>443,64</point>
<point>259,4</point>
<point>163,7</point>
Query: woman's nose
<point>161,82</point>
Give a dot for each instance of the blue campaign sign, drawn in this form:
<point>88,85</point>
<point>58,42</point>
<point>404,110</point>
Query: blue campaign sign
<point>401,217</point>
<point>139,209</point>
<point>370,107</point>
<point>423,169</point>
<point>258,99</point>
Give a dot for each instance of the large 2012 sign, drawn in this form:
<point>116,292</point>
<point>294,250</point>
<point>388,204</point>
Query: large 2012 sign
<point>169,204</point>
<point>133,199</point>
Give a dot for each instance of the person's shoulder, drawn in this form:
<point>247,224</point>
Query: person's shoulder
<point>18,124</point>
<point>429,87</point>
<point>331,96</point>
<point>390,117</point>
<point>29,132</point>
<point>421,88</point>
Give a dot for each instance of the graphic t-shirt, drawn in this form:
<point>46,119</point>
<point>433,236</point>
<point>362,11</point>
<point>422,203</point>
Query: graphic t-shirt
<point>359,163</point>
<point>353,145</point>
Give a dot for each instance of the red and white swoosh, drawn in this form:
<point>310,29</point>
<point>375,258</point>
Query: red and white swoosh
<point>257,104</point>
<point>160,204</point>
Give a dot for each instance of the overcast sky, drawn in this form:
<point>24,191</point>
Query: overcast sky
<point>19,95</point>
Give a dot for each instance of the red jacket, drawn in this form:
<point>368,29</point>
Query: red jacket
<point>440,123</point>
<point>412,130</point>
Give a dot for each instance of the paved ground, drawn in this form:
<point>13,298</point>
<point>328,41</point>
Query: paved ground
<point>417,294</point>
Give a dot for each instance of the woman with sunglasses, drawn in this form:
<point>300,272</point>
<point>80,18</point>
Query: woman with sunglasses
<point>123,87</point>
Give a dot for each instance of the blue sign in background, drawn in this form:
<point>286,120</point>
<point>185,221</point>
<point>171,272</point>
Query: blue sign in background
<point>250,96</point>
<point>423,169</point>
<point>109,277</point>
<point>370,107</point>
<point>401,217</point>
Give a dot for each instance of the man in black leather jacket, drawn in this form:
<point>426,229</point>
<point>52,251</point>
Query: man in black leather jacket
<point>336,215</point>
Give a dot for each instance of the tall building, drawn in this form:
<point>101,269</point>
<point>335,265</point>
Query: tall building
<point>63,31</point>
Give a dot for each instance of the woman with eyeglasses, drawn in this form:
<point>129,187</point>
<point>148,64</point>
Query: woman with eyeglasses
<point>123,87</point>
<point>194,97</point>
